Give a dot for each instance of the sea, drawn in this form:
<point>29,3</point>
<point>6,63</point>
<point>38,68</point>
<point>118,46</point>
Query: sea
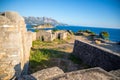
<point>113,32</point>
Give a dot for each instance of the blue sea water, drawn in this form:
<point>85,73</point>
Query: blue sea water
<point>114,33</point>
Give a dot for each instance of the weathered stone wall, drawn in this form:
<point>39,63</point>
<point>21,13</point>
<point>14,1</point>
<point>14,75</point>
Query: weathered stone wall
<point>96,56</point>
<point>49,36</point>
<point>63,36</point>
<point>44,36</point>
<point>15,43</point>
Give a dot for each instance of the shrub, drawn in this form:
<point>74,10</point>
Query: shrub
<point>80,31</point>
<point>104,35</point>
<point>36,30</point>
<point>87,31</point>
<point>90,32</point>
<point>54,30</point>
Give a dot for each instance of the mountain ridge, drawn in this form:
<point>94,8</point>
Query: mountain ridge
<point>42,20</point>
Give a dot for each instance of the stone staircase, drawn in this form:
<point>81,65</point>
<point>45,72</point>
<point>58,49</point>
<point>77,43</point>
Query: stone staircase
<point>56,73</point>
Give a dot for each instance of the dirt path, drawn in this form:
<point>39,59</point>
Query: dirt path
<point>68,47</point>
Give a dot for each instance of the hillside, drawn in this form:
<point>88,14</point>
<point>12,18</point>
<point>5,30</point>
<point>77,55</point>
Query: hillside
<point>45,25</point>
<point>42,20</point>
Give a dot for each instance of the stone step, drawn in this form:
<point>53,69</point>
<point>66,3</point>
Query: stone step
<point>56,73</point>
<point>43,74</point>
<point>87,74</point>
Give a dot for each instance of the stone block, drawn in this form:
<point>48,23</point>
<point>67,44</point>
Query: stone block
<point>86,74</point>
<point>47,73</point>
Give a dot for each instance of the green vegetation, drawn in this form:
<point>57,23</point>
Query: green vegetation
<point>90,32</point>
<point>39,43</point>
<point>41,58</point>
<point>75,59</point>
<point>104,35</point>
<point>87,31</point>
<point>80,30</point>
<point>36,30</point>
<point>41,55</point>
<point>91,35</point>
<point>58,41</point>
<point>46,54</point>
<point>42,44</point>
<point>54,30</point>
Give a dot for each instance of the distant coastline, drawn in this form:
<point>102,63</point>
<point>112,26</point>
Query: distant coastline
<point>114,33</point>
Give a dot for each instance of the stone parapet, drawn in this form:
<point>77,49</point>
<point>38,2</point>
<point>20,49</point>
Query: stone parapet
<point>96,56</point>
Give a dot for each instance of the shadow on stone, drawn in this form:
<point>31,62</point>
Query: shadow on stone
<point>22,74</point>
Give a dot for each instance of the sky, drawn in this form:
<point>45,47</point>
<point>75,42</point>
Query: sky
<point>94,13</point>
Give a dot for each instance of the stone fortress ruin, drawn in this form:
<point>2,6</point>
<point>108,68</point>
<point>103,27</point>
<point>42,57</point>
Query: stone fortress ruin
<point>15,45</point>
<point>49,35</point>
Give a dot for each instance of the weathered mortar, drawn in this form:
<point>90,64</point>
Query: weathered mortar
<point>95,56</point>
<point>15,43</point>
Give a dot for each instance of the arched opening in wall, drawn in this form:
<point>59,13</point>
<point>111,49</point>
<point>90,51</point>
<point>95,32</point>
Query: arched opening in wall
<point>2,14</point>
<point>42,38</point>
<point>59,36</point>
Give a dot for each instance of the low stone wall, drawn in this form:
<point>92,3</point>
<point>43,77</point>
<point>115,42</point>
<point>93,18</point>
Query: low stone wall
<point>96,56</point>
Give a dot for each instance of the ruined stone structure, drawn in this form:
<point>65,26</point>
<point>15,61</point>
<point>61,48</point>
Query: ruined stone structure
<point>96,56</point>
<point>15,44</point>
<point>44,35</point>
<point>48,35</point>
<point>61,34</point>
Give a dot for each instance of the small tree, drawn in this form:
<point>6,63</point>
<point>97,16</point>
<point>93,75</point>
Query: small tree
<point>80,31</point>
<point>104,35</point>
<point>54,30</point>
